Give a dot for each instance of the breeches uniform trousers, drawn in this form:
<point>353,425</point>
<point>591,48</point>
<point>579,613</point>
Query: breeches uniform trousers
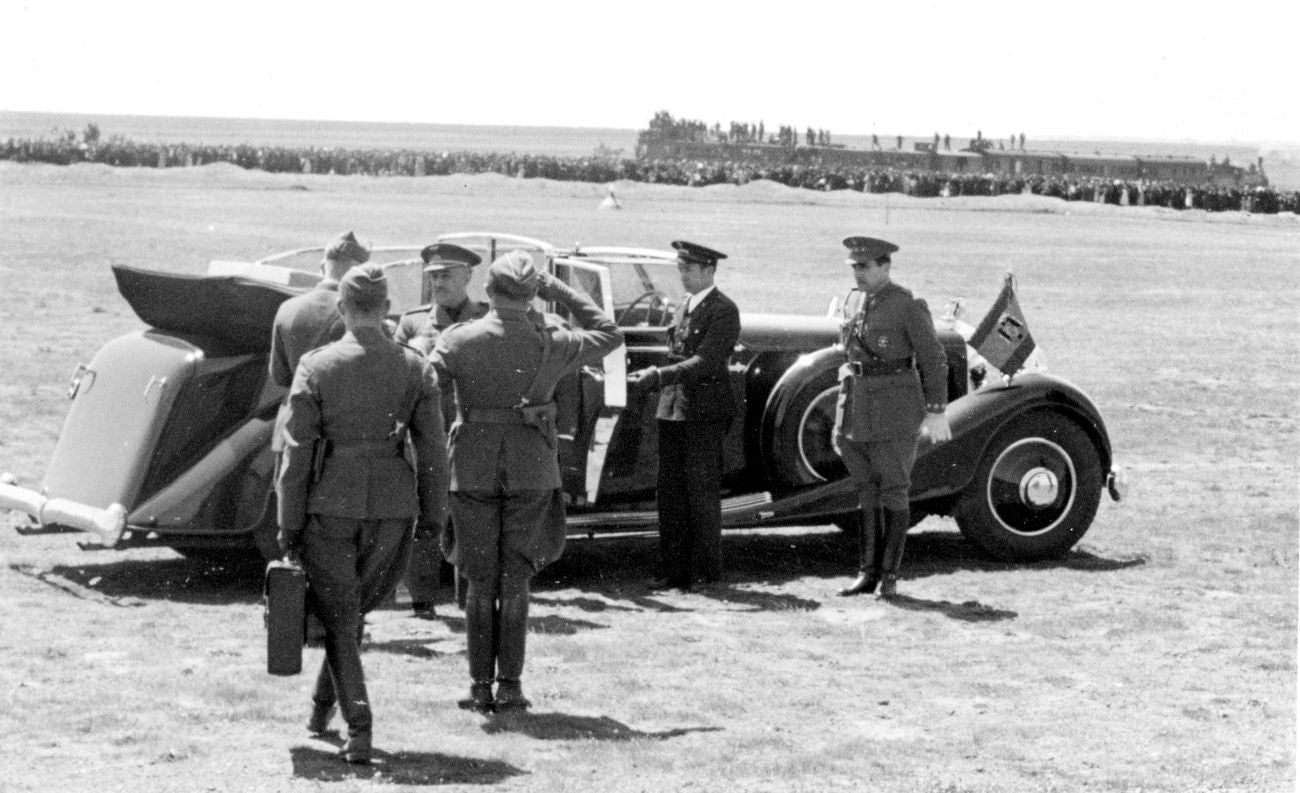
<point>352,565</point>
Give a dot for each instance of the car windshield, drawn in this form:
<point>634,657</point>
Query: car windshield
<point>644,284</point>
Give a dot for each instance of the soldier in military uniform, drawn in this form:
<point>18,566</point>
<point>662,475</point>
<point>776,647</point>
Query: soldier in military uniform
<point>696,407</point>
<point>310,320</point>
<point>448,268</point>
<point>348,494</point>
<point>506,501</point>
<point>893,387</point>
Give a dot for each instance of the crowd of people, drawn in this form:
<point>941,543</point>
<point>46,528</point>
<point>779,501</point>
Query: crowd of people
<point>608,167</point>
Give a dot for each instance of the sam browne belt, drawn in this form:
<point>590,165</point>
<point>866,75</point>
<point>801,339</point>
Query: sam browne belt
<point>880,367</point>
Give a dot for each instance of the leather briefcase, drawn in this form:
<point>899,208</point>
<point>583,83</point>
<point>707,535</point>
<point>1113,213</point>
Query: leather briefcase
<point>285,597</point>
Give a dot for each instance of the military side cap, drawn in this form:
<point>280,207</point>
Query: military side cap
<point>513,275</point>
<point>697,254</point>
<point>364,286</point>
<point>444,256</point>
<point>347,249</point>
<point>868,249</point>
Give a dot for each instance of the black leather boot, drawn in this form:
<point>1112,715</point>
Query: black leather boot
<point>480,619</point>
<point>869,549</point>
<point>897,522</point>
<point>511,642</point>
<point>324,703</point>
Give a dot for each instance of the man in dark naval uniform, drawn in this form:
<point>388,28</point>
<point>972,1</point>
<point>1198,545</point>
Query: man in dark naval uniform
<point>349,489</point>
<point>888,337</point>
<point>696,407</point>
<point>448,268</point>
<point>506,503</point>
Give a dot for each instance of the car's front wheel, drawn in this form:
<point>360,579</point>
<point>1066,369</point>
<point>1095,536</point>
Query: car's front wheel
<point>1035,491</point>
<point>801,453</point>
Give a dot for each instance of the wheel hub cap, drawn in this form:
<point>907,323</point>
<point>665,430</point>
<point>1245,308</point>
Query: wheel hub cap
<point>1039,487</point>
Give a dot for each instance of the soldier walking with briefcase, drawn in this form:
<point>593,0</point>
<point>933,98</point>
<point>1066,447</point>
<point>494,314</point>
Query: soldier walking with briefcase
<point>348,495</point>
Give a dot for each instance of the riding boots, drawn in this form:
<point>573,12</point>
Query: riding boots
<point>897,522</point>
<point>870,547</point>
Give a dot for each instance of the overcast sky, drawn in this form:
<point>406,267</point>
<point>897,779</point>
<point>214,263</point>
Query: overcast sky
<point>1137,69</point>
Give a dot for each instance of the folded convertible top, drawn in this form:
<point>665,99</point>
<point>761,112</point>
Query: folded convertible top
<point>234,311</point>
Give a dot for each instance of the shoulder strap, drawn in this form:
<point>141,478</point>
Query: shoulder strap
<point>542,389</point>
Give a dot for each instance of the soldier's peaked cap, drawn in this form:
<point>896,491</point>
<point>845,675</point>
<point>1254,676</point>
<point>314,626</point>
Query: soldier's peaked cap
<point>364,286</point>
<point>868,249</point>
<point>347,249</point>
<point>444,256</point>
<point>697,254</point>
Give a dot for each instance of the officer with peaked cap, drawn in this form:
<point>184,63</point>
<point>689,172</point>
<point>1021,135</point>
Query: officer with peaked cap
<point>696,406</point>
<point>893,388</point>
<point>350,489</point>
<point>506,501</point>
<point>449,269</point>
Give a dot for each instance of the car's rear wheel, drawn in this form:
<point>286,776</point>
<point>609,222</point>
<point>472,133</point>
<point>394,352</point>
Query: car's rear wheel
<point>801,452</point>
<point>1035,491</point>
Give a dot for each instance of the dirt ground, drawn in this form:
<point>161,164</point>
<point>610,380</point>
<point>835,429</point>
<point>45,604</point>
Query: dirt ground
<point>1159,655</point>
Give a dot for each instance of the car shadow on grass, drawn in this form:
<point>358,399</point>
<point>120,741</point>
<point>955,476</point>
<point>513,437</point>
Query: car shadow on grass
<point>618,570</point>
<point>567,727</point>
<point>126,582</point>
<point>610,572</point>
<point>401,768</point>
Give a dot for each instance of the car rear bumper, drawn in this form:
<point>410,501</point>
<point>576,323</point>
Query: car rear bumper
<point>108,523</point>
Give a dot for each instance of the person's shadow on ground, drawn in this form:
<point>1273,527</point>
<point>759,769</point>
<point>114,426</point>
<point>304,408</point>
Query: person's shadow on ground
<point>401,768</point>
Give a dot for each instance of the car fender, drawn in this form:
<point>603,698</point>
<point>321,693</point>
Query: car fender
<point>975,420</point>
<point>184,505</point>
<point>784,399</point>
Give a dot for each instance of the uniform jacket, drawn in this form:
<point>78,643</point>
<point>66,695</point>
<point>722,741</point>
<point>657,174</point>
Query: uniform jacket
<point>351,393</point>
<point>695,385</point>
<point>420,328</point>
<point>302,323</point>
<point>492,363</point>
<point>889,329</point>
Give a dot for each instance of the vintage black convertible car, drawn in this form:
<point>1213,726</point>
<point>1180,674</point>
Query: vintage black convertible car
<point>167,438</point>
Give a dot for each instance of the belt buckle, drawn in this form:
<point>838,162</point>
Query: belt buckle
<point>857,368</point>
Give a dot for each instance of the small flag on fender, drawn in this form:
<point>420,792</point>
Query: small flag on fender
<point>1002,337</point>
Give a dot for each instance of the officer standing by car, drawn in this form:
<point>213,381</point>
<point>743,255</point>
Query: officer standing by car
<point>348,494</point>
<point>893,388</point>
<point>696,407</point>
<point>449,269</point>
<point>506,499</point>
<point>310,320</point>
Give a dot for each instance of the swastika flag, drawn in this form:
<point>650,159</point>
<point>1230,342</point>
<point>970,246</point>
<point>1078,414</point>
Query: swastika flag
<point>1002,337</point>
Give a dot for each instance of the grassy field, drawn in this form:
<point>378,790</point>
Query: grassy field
<point>1159,655</point>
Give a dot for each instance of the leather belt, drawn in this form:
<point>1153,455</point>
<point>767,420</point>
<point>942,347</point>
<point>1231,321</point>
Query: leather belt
<point>492,416</point>
<point>880,367</point>
<point>377,449</point>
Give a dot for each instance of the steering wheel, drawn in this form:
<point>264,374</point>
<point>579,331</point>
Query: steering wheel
<point>651,298</point>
